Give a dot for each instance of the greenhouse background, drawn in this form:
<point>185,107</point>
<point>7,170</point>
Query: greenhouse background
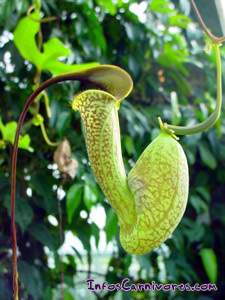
<point>67,232</point>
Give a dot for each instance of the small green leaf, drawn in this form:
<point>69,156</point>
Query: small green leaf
<point>37,120</point>
<point>161,6</point>
<point>129,144</point>
<point>90,196</point>
<point>23,212</point>
<point>206,155</point>
<point>95,231</point>
<point>109,5</point>
<point>198,204</point>
<point>63,121</point>
<point>179,21</point>
<point>111,226</point>
<point>42,185</point>
<point>9,132</point>
<point>42,234</point>
<point>31,278</point>
<point>67,295</point>
<point>176,114</point>
<point>73,199</point>
<point>209,261</point>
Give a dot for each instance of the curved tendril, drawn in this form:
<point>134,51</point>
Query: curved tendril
<point>182,130</point>
<point>212,37</point>
<point>44,133</point>
<point>44,20</point>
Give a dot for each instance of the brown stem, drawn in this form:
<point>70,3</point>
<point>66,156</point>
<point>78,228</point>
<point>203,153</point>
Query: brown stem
<point>61,236</point>
<point>80,76</point>
<point>212,37</point>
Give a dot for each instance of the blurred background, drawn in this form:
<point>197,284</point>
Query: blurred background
<point>161,45</point>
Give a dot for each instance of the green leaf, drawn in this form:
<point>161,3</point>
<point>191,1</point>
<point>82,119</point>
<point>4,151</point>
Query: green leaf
<point>42,185</point>
<point>176,114</point>
<point>5,289</point>
<point>31,278</point>
<point>111,226</point>
<point>209,261</point>
<point>53,49</point>
<point>37,120</point>
<point>24,143</point>
<point>90,196</point>
<point>95,231</point>
<point>64,119</point>
<point>206,155</point>
<point>129,144</point>
<point>9,132</point>
<point>109,5</point>
<point>23,211</point>
<point>42,234</point>
<point>161,6</point>
<point>67,295</point>
<point>47,295</point>
<point>24,38</point>
<point>179,21</point>
<point>73,199</point>
<point>198,204</point>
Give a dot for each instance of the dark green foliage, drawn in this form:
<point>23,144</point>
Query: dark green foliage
<point>164,54</point>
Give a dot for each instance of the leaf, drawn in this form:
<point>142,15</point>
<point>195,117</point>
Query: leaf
<point>67,295</point>
<point>42,185</point>
<point>23,211</point>
<point>179,21</point>
<point>209,261</point>
<point>95,231</point>
<point>160,6</point>
<point>111,226</point>
<point>47,295</point>
<point>109,5</point>
<point>37,120</point>
<point>24,38</point>
<point>129,144</point>
<point>31,278</point>
<point>5,289</point>
<point>78,254</point>
<point>64,119</point>
<point>206,155</point>
<point>42,234</point>
<point>53,49</point>
<point>176,114</point>
<point>198,204</point>
<point>9,132</point>
<point>90,196</point>
<point>73,199</point>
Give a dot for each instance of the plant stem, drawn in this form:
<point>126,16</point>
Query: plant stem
<point>212,37</point>
<point>87,75</point>
<point>182,130</point>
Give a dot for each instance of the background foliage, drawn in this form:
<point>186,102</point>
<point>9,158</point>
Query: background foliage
<point>162,49</point>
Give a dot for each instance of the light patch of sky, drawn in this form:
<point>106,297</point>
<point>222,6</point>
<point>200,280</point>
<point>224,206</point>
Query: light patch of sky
<point>52,220</point>
<point>220,4</point>
<point>98,216</point>
<point>139,10</point>
<point>72,241</point>
<point>7,60</point>
<point>5,38</point>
